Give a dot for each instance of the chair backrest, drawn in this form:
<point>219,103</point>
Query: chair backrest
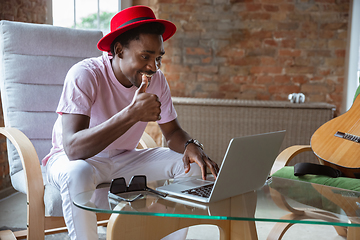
<point>34,60</point>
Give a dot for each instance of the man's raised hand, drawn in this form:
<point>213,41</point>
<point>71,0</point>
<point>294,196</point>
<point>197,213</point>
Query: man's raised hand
<point>146,105</point>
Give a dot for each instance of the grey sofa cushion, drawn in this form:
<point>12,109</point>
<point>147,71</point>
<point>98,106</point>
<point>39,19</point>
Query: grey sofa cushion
<point>34,60</point>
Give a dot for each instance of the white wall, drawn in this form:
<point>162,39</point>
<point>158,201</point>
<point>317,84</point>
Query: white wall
<point>352,56</point>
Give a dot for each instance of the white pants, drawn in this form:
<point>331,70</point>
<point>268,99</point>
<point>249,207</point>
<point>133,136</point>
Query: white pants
<point>74,177</point>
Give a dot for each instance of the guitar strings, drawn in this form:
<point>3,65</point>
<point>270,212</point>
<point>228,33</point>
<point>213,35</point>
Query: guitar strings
<point>354,125</point>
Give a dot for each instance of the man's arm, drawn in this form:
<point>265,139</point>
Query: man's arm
<point>81,142</point>
<point>176,138</point>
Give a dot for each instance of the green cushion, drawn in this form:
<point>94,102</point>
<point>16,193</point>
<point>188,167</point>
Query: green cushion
<point>352,184</point>
<point>357,92</point>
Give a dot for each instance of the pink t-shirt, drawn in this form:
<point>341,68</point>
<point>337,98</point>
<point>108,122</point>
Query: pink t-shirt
<point>92,89</point>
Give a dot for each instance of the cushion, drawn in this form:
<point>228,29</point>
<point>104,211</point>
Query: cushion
<point>295,190</point>
<point>352,184</point>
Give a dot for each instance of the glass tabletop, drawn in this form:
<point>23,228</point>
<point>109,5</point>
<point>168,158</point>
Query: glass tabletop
<point>279,200</point>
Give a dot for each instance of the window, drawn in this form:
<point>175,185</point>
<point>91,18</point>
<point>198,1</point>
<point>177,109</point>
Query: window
<point>86,14</point>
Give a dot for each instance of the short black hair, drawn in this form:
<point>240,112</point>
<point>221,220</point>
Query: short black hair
<point>133,34</point>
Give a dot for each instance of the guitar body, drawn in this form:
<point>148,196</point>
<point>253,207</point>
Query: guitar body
<point>336,142</point>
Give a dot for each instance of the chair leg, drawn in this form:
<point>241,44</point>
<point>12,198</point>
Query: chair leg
<point>54,225</point>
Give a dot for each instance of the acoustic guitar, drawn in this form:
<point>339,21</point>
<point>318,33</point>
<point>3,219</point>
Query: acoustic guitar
<point>337,142</point>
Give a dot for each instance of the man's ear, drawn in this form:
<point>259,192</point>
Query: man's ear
<point>118,49</point>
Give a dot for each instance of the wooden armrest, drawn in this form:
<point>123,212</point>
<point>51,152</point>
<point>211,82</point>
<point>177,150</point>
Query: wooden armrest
<point>281,161</point>
<point>33,178</point>
<point>147,141</point>
<point>28,156</point>
<point>286,155</point>
<point>7,235</point>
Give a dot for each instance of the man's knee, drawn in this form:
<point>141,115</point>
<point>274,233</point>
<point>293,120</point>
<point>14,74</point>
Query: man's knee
<point>79,173</point>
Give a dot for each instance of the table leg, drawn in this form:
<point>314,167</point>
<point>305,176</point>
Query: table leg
<point>353,233</point>
<point>123,226</point>
<point>280,228</point>
<point>243,230</point>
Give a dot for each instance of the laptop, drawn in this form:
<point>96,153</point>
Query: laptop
<point>245,167</point>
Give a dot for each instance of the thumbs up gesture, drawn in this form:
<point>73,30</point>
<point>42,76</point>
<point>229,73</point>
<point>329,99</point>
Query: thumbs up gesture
<point>146,106</point>
<point>143,86</point>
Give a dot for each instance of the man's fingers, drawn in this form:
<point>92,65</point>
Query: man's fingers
<point>203,173</point>
<point>213,167</point>
<point>186,164</point>
<point>142,88</point>
<point>202,164</point>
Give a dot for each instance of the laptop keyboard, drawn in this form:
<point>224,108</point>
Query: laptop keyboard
<point>203,191</point>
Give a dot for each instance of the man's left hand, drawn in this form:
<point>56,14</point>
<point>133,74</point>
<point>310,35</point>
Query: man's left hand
<point>194,154</point>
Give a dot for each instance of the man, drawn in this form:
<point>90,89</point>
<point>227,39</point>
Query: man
<point>103,111</point>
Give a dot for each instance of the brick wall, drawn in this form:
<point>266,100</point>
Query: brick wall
<point>34,11</point>
<point>256,49</point>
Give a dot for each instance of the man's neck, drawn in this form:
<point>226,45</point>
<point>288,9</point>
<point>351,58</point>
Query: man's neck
<point>118,73</point>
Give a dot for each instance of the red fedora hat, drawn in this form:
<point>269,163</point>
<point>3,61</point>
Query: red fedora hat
<point>130,18</point>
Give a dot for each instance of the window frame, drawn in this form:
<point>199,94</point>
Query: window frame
<point>121,5</point>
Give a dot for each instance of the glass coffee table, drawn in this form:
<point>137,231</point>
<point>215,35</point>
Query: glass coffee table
<point>283,201</point>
